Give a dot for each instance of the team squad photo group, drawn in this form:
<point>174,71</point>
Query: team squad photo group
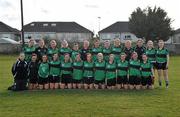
<point>102,66</point>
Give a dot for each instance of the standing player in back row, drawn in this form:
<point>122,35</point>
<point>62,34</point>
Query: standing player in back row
<point>162,59</point>
<point>106,50</point>
<point>52,50</point>
<point>140,49</point>
<point>64,50</point>
<point>96,49</point>
<point>116,49</point>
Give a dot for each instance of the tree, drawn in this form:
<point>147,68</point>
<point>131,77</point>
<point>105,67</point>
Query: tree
<point>151,24</point>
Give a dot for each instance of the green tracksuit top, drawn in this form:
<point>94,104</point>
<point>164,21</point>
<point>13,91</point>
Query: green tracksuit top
<point>77,70</point>
<point>116,51</point>
<point>74,53</point>
<point>63,51</point>
<point>43,71</point>
<point>99,70</point>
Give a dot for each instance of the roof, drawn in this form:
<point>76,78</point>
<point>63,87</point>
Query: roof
<point>71,27</point>
<point>177,31</point>
<point>117,27</point>
<point>5,28</point>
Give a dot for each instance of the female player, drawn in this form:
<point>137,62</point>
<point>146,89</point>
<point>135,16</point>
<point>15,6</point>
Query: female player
<point>33,72</point>
<point>122,72</point>
<point>106,50</point>
<point>134,72</point>
<point>88,73</point>
<point>99,74</point>
<point>54,72</point>
<point>147,73</point>
<point>75,51</point>
<point>64,50</point>
<point>111,72</point>
<point>96,49</point>
<point>66,72</point>
<point>116,49</point>
<point>77,72</point>
<point>162,59</point>
<point>29,50</point>
<point>43,73</point>
<point>52,49</point>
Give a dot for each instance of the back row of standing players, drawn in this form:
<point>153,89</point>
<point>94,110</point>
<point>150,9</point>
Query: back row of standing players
<point>97,67</point>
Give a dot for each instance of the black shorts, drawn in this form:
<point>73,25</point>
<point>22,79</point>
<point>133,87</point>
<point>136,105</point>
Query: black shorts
<point>54,79</point>
<point>75,81</point>
<point>134,80</point>
<point>146,80</point>
<point>122,80</point>
<point>88,80</point>
<point>154,64</point>
<point>66,79</point>
<point>161,66</point>
<point>43,81</point>
<point>33,80</point>
<point>99,82</point>
<point>111,82</point>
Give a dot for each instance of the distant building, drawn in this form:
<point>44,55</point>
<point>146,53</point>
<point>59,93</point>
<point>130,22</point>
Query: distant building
<point>70,31</point>
<point>9,32</point>
<point>117,30</point>
<point>176,37</point>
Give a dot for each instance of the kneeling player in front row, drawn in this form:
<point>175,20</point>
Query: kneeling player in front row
<point>77,72</point>
<point>43,74</point>
<point>122,72</point>
<point>54,72</point>
<point>146,73</point>
<point>33,72</point>
<point>111,72</point>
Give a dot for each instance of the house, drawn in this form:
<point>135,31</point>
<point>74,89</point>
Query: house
<point>176,37</point>
<point>9,32</point>
<point>117,30</point>
<point>70,31</point>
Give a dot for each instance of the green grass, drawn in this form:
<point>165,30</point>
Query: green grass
<point>160,102</point>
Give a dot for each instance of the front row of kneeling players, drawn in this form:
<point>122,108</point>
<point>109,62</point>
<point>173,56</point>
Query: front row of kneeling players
<point>84,74</point>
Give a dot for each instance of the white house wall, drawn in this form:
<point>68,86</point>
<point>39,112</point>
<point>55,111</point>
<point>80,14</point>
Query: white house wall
<point>123,36</point>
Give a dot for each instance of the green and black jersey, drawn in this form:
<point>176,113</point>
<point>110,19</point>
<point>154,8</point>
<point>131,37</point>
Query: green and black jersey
<point>99,70</point>
<point>63,51</point>
<point>28,52</point>
<point>122,68</point>
<point>151,54</point>
<point>66,68</point>
<point>134,68</point>
<point>51,52</point>
<point>43,71</point>
<point>74,53</point>
<point>161,55</point>
<point>110,70</point>
<point>95,51</point>
<point>54,67</point>
<point>88,69</point>
<point>106,52</point>
<point>77,70</point>
<point>146,69</point>
<point>116,51</point>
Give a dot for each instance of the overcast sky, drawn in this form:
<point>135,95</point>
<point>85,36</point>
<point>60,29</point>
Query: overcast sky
<point>84,12</point>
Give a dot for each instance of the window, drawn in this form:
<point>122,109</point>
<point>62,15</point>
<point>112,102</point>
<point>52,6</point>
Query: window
<point>32,24</point>
<point>53,24</point>
<point>45,24</point>
<point>126,37</point>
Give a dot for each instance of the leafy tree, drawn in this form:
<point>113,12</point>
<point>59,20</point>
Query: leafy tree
<point>151,24</point>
